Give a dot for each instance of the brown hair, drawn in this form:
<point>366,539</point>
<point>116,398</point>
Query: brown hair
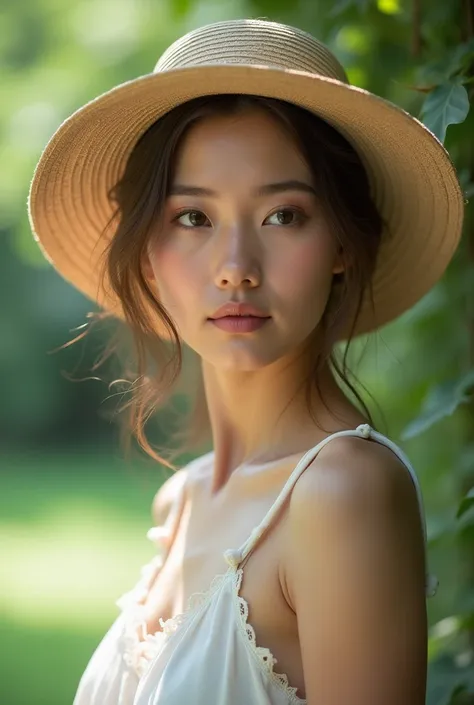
<point>342,183</point>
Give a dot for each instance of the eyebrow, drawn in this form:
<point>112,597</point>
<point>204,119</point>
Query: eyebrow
<point>266,190</point>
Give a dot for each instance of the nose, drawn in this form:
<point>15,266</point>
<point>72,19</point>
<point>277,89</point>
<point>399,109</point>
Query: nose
<point>236,258</point>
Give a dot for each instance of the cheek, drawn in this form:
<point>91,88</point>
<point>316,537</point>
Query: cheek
<point>177,281</point>
<point>305,274</point>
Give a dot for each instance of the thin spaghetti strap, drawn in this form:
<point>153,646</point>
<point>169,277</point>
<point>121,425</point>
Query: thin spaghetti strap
<point>236,556</point>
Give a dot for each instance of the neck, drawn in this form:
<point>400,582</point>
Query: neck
<point>262,415</point>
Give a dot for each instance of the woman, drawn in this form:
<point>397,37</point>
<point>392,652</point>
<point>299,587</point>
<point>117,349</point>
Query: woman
<point>257,208</point>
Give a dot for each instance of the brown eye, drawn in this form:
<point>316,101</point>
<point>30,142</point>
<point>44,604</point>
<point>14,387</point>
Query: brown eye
<point>196,219</point>
<point>285,216</point>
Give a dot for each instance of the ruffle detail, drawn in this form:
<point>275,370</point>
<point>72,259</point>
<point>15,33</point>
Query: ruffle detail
<point>139,653</point>
<point>196,601</point>
<point>199,599</point>
<point>265,657</point>
<point>170,626</point>
<point>138,594</point>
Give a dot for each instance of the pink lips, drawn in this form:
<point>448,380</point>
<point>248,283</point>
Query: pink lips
<point>239,324</point>
<point>239,318</point>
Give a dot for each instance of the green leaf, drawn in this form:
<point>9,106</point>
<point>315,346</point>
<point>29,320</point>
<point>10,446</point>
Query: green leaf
<point>447,104</point>
<point>459,690</point>
<point>461,57</point>
<point>465,465</point>
<point>466,503</point>
<point>441,401</point>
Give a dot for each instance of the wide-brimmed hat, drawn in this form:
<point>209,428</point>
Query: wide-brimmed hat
<point>413,181</point>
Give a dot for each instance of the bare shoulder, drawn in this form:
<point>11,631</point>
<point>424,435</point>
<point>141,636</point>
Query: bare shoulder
<point>357,497</point>
<point>354,575</point>
<point>167,495</point>
<point>352,472</point>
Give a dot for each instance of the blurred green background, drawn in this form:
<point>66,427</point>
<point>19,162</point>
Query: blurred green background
<point>74,511</point>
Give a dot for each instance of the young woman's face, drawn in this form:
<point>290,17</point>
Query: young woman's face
<point>242,224</point>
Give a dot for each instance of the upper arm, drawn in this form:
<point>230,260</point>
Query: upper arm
<point>166,510</point>
<point>166,497</point>
<point>355,574</point>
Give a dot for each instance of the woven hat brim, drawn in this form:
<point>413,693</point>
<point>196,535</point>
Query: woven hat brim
<point>413,181</point>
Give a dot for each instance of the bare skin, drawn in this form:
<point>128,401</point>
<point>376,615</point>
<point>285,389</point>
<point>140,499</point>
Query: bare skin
<point>234,247</point>
<point>196,554</point>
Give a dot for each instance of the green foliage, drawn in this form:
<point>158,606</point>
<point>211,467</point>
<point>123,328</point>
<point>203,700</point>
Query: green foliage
<point>343,5</point>
<point>442,400</point>
<point>447,104</point>
<point>466,503</point>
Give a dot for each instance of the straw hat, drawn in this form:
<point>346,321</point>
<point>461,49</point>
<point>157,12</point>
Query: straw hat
<point>413,181</point>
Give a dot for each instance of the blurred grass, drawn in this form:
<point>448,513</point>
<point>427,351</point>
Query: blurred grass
<point>72,533</point>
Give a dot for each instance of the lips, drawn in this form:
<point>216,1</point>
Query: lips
<point>240,324</point>
<point>235,309</point>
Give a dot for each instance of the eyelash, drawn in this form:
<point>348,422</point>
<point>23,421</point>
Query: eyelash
<point>301,217</point>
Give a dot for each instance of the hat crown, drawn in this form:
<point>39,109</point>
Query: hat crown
<point>253,43</point>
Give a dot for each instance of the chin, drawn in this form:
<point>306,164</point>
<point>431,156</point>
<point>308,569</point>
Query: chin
<point>239,356</point>
<point>240,365</point>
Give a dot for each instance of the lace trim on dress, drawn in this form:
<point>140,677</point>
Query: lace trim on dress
<point>139,653</point>
<point>264,656</point>
<point>196,602</point>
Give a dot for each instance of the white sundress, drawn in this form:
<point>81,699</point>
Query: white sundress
<point>207,655</point>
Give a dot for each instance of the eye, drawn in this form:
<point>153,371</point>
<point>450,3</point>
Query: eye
<point>195,219</point>
<point>285,216</point>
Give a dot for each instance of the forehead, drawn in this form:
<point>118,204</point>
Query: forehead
<point>251,144</point>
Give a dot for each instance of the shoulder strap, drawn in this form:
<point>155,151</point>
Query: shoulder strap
<point>235,557</point>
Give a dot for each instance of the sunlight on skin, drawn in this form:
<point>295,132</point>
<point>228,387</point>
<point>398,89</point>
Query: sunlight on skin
<point>68,569</point>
